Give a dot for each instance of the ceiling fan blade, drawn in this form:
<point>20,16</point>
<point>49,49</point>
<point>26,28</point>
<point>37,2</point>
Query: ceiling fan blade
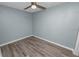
<point>40,7</point>
<point>27,7</point>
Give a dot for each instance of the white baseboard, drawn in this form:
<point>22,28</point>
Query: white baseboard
<point>15,40</point>
<point>55,43</point>
<point>75,53</point>
<point>76,50</point>
<point>71,49</point>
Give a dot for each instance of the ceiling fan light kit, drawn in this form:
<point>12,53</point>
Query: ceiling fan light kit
<point>34,5</point>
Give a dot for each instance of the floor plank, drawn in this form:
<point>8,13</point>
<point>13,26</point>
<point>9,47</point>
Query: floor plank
<point>34,47</point>
<point>0,53</point>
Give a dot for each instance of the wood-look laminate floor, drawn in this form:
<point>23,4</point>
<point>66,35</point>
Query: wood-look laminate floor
<point>34,47</point>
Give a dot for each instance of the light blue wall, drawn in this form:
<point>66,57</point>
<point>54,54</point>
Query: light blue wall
<point>58,24</point>
<point>14,24</point>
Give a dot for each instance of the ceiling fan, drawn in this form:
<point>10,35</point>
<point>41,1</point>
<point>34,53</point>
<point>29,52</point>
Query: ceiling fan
<point>34,5</point>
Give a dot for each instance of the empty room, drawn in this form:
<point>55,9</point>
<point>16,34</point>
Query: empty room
<point>39,29</point>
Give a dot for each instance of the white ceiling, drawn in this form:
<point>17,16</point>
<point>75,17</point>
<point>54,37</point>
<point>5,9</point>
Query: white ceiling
<point>22,5</point>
